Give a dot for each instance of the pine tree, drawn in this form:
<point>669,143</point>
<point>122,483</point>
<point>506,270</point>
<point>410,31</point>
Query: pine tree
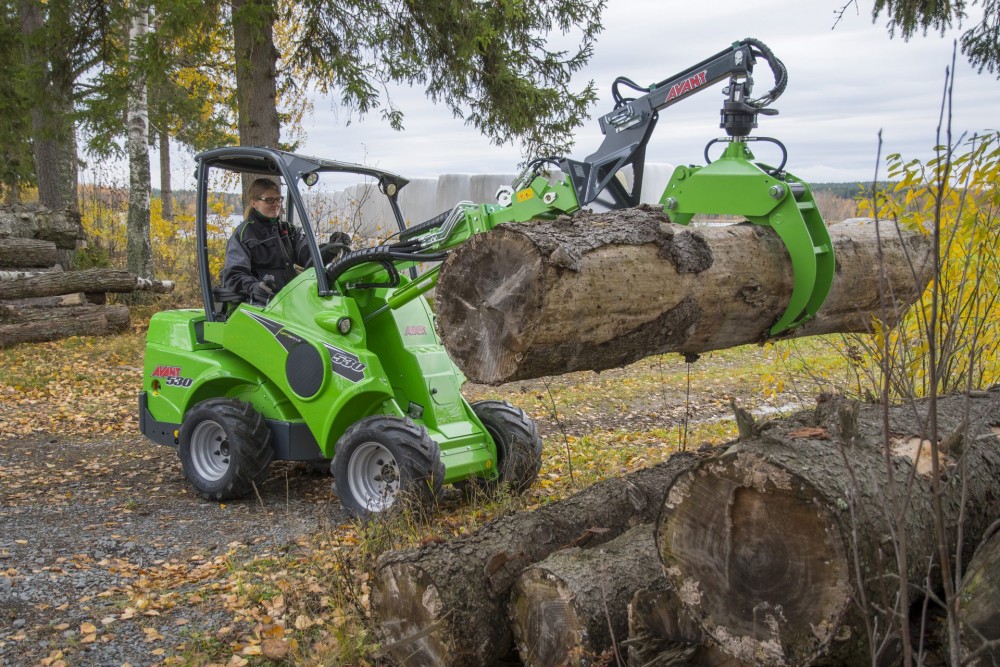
<point>980,43</point>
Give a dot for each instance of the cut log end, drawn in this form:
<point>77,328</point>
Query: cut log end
<point>410,606</point>
<point>542,609</point>
<point>751,543</point>
<point>500,308</point>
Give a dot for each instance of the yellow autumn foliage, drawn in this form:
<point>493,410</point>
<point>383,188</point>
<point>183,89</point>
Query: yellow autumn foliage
<point>104,215</point>
<point>951,337</point>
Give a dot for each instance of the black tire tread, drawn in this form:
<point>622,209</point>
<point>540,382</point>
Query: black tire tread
<point>520,453</point>
<point>420,458</point>
<point>243,425</point>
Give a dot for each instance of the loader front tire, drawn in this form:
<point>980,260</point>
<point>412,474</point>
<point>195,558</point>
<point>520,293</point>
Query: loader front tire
<point>382,462</point>
<point>519,448</point>
<point>225,448</point>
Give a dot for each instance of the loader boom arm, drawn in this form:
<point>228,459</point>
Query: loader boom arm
<point>733,184</point>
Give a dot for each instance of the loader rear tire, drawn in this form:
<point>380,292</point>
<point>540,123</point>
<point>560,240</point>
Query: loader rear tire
<point>225,448</point>
<point>383,463</point>
<point>519,448</point>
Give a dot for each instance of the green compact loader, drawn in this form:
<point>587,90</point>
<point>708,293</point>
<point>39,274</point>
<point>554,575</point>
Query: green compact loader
<point>344,363</point>
<point>341,368</point>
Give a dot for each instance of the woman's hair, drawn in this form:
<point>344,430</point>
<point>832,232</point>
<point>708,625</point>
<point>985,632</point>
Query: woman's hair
<point>257,189</point>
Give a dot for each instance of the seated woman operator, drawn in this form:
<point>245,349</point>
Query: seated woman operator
<point>265,253</point>
<point>264,250</point>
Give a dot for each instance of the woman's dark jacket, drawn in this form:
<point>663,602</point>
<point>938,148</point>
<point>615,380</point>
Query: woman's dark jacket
<point>263,249</point>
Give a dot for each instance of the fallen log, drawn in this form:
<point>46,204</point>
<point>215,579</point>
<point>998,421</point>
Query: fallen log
<point>34,221</point>
<point>27,273</point>
<point>18,253</point>
<point>661,634</point>
<point>780,550</point>
<point>572,607</point>
<point>87,280</point>
<point>980,611</point>
<point>604,290</point>
<point>33,325</point>
<point>446,604</point>
<point>76,299</point>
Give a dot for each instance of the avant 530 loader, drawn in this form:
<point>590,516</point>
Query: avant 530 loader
<point>344,362</point>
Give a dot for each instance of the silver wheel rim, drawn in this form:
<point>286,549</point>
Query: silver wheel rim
<point>210,454</point>
<point>373,476</point>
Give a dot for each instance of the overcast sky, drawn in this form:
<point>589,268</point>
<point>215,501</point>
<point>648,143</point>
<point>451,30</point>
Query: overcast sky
<point>844,85</point>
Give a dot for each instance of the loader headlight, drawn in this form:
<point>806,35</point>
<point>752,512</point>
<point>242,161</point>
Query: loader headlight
<point>344,325</point>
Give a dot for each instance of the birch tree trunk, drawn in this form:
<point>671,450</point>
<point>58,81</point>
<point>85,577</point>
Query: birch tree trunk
<point>166,190</point>
<point>87,280</point>
<point>139,249</point>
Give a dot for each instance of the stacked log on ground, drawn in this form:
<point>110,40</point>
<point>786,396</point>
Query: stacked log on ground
<point>762,553</point>
<point>61,227</point>
<point>27,253</point>
<point>779,549</point>
<point>39,324</point>
<point>599,291</point>
<point>42,303</point>
<point>87,280</point>
<point>571,608</point>
<point>604,605</point>
<point>446,604</point>
<point>979,598</point>
<point>662,634</point>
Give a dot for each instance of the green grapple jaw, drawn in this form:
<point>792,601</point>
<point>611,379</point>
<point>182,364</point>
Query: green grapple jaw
<point>734,185</point>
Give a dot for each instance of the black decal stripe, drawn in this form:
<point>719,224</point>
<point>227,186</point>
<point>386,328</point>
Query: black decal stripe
<point>287,340</point>
<point>345,364</point>
<point>273,327</point>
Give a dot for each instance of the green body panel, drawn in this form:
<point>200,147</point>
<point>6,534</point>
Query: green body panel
<point>735,185</point>
<point>180,372</point>
<point>390,363</point>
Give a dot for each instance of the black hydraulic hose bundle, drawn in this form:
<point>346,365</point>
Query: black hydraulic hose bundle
<point>385,255</point>
<point>778,70</point>
<point>758,49</point>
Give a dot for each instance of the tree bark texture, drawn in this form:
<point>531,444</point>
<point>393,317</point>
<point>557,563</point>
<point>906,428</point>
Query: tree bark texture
<point>76,299</point>
<point>34,221</point>
<point>980,602</point>
<point>662,634</point>
<point>256,75</point>
<point>446,604</point>
<point>27,253</point>
<point>776,546</point>
<point>166,189</point>
<point>572,607</point>
<point>599,291</point>
<point>88,280</point>
<point>139,251</point>
<point>33,325</point>
<point>27,273</point>
<point>53,132</point>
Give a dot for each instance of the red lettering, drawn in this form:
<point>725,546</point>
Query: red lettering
<point>167,372</point>
<point>688,85</point>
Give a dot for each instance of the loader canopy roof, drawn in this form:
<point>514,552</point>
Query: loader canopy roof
<point>256,160</point>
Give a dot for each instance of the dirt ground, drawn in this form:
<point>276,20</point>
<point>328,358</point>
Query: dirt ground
<point>89,523</point>
<point>83,520</point>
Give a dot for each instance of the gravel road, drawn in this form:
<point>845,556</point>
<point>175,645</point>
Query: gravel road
<point>82,521</point>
